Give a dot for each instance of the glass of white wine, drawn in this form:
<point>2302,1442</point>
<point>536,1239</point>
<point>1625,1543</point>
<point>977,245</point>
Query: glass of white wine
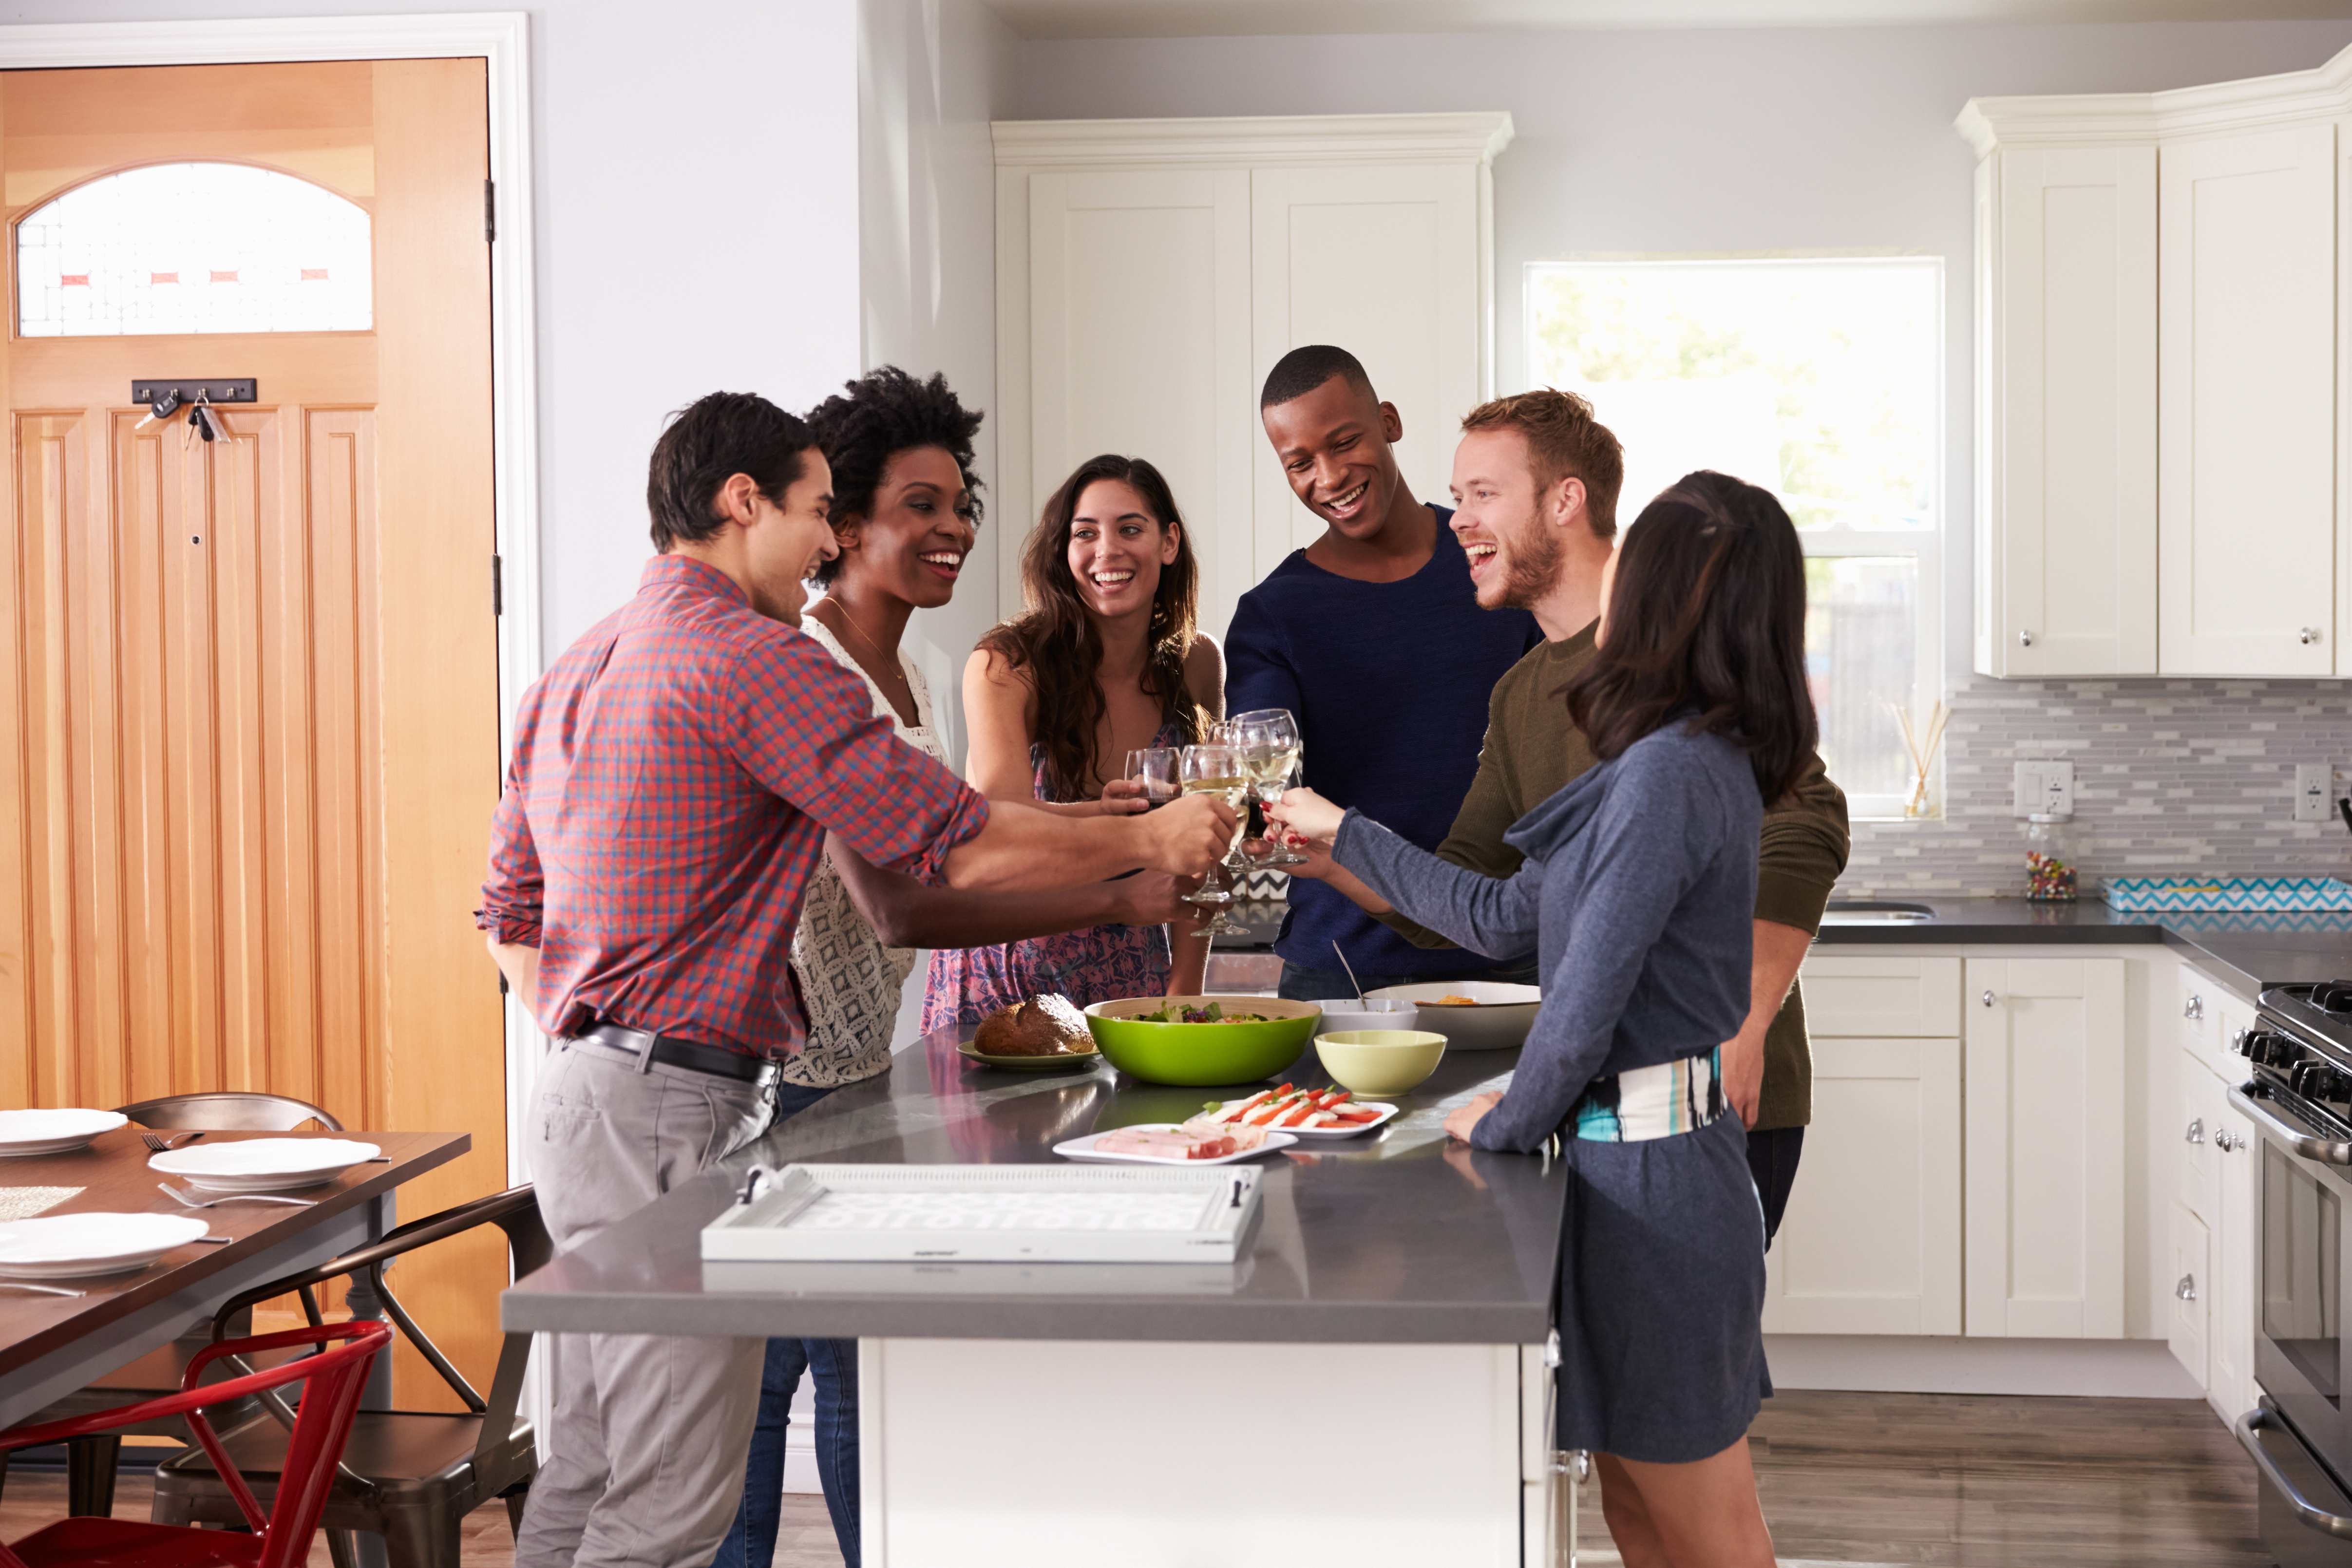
<point>1270,751</point>
<point>1216,769</point>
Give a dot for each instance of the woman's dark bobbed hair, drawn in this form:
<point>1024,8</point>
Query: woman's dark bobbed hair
<point>1708,612</point>
<point>873,419</point>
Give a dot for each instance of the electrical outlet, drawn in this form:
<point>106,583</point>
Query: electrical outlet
<point>2314,791</point>
<point>2044,788</point>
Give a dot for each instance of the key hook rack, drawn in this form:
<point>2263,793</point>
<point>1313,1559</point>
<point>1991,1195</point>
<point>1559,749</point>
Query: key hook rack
<point>165,397</point>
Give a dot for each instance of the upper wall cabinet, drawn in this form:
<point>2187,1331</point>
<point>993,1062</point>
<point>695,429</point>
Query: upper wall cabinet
<point>2066,411</point>
<point>1150,272</point>
<point>2160,480</point>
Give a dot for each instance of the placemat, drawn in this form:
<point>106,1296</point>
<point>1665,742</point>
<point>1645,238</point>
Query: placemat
<point>24,1202</point>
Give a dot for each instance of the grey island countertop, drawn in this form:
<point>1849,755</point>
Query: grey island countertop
<point>1398,1237</point>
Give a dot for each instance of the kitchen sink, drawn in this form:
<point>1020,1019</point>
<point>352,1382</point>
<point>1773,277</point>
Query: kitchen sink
<point>1868,912</point>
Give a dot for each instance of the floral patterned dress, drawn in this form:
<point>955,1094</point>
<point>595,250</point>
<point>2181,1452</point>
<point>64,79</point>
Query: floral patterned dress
<point>1099,964</point>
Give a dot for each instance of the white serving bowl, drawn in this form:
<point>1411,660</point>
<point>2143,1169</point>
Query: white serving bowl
<point>263,1165</point>
<point>1499,1022</point>
<point>67,1246</point>
<point>52,1132</point>
<point>1377,1012</point>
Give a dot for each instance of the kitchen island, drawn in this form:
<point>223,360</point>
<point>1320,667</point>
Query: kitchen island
<point>1367,1383</point>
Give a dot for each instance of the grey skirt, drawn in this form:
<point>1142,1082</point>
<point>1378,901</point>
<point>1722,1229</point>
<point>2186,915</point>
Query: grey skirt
<point>1661,1296</point>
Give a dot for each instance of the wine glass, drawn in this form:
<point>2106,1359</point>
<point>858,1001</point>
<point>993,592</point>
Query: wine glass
<point>1216,769</point>
<point>1270,749</point>
<point>1155,768</point>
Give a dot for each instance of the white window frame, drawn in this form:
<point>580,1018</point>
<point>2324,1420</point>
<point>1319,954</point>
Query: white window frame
<point>1925,547</point>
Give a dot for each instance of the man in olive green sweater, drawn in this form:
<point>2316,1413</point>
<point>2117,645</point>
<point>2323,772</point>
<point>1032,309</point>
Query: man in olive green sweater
<point>1535,481</point>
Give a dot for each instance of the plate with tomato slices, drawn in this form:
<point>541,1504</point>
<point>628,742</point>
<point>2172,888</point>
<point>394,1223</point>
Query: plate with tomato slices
<point>1329,1112</point>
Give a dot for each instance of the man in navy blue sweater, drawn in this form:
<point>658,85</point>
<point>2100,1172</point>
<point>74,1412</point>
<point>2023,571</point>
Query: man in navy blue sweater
<point>1372,637</point>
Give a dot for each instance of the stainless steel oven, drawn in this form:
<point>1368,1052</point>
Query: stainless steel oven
<point>2298,1094</point>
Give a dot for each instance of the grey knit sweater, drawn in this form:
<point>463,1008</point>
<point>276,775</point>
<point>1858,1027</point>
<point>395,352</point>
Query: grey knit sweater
<point>1638,894</point>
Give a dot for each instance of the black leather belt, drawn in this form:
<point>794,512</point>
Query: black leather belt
<point>669,1050</point>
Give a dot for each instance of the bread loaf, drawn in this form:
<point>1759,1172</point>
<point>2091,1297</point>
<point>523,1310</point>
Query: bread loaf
<point>1041,1026</point>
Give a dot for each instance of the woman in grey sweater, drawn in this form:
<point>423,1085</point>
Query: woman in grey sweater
<point>1639,894</point>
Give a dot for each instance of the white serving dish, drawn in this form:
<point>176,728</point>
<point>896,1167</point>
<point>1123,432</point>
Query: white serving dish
<point>988,1214</point>
<point>1084,1149</point>
<point>52,1132</point>
<point>1377,1012</point>
<point>1387,1113</point>
<point>1499,1022</point>
<point>263,1165</point>
<point>71,1246</point>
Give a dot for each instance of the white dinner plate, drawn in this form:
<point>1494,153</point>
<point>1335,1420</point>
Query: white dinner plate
<point>1084,1149</point>
<point>67,1246</point>
<point>1387,1113</point>
<point>52,1132</point>
<point>263,1165</point>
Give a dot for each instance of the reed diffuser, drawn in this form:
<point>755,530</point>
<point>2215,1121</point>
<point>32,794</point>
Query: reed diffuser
<point>1922,752</point>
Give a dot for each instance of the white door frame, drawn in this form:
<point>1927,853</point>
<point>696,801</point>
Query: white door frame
<point>503,39</point>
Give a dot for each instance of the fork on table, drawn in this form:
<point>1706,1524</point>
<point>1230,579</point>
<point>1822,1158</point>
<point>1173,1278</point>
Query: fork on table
<point>190,1200</point>
<point>160,1144</point>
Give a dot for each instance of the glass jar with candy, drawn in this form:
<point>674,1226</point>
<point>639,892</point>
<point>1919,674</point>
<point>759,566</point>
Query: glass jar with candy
<point>2050,873</point>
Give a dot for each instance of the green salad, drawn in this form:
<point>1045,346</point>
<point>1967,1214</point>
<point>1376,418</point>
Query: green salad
<point>1214,1013</point>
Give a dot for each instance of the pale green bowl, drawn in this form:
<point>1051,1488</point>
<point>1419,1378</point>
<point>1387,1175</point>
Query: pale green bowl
<point>1203,1055</point>
<point>1379,1062</point>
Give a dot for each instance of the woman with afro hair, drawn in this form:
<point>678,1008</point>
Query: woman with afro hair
<point>905,514</point>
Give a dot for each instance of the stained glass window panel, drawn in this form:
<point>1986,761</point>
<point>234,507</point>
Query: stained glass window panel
<point>194,247</point>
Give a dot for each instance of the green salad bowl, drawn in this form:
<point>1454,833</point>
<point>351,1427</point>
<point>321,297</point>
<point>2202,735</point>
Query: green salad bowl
<point>1203,1055</point>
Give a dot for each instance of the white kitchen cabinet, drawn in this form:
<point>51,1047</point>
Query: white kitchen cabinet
<point>2066,411</point>
<point>2246,437</point>
<point>1150,272</point>
<point>2045,1136</point>
<point>2213,1177</point>
<point>2246,509</point>
<point>1871,1243</point>
<point>2187,1327</point>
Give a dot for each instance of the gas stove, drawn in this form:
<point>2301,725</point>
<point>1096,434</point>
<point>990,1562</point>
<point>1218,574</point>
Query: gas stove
<point>2300,1049</point>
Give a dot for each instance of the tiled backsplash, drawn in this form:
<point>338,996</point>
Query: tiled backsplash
<point>2169,777</point>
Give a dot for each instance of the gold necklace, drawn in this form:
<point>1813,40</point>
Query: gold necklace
<point>866,637</point>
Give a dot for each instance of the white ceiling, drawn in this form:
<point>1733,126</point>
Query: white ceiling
<point>1224,19</point>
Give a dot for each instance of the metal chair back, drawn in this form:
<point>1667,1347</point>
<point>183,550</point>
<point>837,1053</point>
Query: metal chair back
<point>227,1111</point>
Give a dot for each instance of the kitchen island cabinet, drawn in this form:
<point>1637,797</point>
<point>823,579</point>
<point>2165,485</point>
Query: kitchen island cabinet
<point>1380,1350</point>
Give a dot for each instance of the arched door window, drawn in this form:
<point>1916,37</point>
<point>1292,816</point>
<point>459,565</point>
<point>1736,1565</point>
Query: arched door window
<point>194,247</point>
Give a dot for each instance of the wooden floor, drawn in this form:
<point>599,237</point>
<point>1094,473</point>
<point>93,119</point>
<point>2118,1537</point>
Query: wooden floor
<point>1919,1480</point>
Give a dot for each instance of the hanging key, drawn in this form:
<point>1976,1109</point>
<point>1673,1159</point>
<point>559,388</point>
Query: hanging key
<point>160,408</point>
<point>208,423</point>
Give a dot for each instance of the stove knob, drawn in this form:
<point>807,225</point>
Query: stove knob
<point>2242,1043</point>
<point>2273,1051</point>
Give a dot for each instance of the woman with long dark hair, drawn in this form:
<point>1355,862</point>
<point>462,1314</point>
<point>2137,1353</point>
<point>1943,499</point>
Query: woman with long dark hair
<point>1639,893</point>
<point>1104,660</point>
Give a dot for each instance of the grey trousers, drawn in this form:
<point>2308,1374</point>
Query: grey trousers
<point>643,1466</point>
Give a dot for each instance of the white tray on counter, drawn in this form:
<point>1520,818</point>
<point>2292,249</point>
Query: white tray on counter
<point>981,1214</point>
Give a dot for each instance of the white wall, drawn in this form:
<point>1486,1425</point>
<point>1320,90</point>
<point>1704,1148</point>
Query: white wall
<point>1807,139</point>
<point>931,75</point>
<point>695,227</point>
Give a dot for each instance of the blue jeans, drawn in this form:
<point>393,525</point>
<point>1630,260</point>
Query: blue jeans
<point>751,1543</point>
<point>1301,984</point>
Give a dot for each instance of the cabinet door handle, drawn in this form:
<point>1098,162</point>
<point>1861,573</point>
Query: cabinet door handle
<point>1987,999</point>
<point>2194,1008</point>
<point>2227,1141</point>
<point>2187,1289</point>
<point>2307,636</point>
<point>2197,1129</point>
<point>2025,639</point>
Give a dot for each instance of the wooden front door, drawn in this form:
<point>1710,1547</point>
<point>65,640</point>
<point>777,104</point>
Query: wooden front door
<point>248,688</point>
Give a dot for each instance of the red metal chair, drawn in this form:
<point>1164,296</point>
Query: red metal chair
<point>332,1382</point>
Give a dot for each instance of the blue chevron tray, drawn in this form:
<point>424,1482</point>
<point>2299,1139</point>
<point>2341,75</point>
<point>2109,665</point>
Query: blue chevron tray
<point>2260,894</point>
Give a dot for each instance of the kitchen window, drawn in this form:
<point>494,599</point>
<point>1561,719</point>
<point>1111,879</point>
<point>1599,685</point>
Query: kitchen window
<point>1822,380</point>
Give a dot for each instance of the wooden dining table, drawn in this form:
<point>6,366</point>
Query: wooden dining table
<point>51,1345</point>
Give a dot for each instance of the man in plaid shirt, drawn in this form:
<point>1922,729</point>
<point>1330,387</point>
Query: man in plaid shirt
<point>673,778</point>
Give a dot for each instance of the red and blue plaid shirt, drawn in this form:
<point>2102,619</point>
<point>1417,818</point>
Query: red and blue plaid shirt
<point>674,776</point>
